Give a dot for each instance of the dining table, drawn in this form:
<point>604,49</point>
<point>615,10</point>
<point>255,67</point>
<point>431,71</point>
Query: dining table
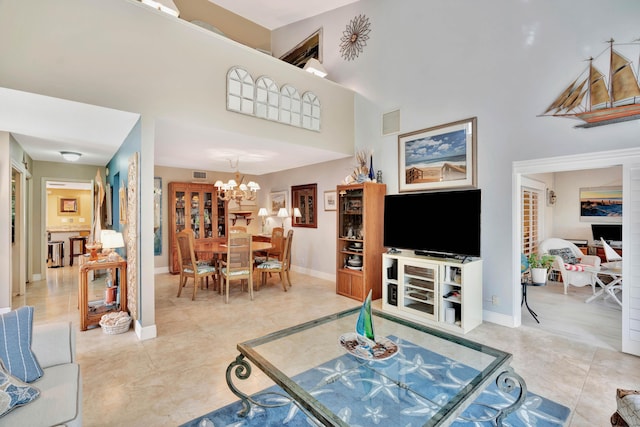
<point>217,249</point>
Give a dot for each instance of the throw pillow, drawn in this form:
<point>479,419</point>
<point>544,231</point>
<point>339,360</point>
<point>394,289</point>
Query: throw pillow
<point>14,393</point>
<point>566,253</point>
<point>15,344</point>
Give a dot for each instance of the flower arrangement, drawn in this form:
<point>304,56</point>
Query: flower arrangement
<point>541,261</point>
<point>361,170</point>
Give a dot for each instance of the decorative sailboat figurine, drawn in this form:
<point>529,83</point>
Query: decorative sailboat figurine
<point>597,102</point>
<point>363,343</point>
<point>364,325</point>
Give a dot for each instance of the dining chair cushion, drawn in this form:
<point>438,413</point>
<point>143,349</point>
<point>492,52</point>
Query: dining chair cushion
<point>270,264</point>
<point>204,268</point>
<point>566,253</point>
<point>235,272</point>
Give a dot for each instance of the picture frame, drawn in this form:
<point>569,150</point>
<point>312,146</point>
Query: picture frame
<point>601,204</point>
<point>438,157</point>
<point>330,200</point>
<point>277,200</point>
<point>304,198</point>
<point>68,205</point>
<point>311,47</point>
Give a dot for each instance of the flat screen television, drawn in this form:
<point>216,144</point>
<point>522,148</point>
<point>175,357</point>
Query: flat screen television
<point>438,223</point>
<point>610,232</point>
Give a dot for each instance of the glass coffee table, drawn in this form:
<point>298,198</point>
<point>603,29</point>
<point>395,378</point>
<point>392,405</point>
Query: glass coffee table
<point>430,380</point>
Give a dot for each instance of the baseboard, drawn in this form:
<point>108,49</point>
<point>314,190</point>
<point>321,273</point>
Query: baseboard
<point>499,319</point>
<point>146,333</point>
<point>313,273</point>
<point>161,270</point>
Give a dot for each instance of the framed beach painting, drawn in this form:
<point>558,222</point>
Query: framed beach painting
<point>601,204</point>
<point>438,157</point>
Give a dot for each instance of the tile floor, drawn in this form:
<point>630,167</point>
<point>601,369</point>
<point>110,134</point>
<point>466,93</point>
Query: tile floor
<point>181,374</point>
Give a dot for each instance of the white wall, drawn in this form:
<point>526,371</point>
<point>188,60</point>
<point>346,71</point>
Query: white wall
<point>566,213</point>
<point>503,62</point>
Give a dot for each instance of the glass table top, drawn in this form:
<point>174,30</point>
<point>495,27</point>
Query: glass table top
<point>433,376</point>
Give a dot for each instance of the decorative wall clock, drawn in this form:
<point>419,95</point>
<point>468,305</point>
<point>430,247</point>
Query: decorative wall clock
<point>354,37</point>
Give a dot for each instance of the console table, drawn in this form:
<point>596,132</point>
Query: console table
<point>287,356</point>
<point>92,309</point>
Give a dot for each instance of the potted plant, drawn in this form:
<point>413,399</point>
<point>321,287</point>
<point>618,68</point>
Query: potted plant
<point>539,265</point>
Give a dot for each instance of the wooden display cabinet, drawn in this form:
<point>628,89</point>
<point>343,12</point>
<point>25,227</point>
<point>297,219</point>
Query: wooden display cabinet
<point>197,207</point>
<point>360,245</point>
<point>91,308</point>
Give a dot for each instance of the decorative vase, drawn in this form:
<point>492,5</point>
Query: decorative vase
<point>371,173</point>
<point>539,275</point>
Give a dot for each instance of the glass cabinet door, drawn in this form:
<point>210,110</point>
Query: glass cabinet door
<point>208,214</point>
<point>195,214</point>
<point>351,233</point>
<point>222,232</point>
<point>180,213</point>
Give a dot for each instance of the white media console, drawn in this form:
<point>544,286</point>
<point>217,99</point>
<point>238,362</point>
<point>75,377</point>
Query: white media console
<point>442,292</point>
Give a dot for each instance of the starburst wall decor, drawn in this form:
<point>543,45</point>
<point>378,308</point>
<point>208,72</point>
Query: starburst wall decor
<point>354,37</point>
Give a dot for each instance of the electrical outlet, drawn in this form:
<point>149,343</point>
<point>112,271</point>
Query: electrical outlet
<point>495,300</point>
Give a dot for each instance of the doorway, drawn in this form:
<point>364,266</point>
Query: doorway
<point>630,161</point>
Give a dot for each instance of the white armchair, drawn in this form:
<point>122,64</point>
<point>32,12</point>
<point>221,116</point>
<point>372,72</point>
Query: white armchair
<point>571,277</point>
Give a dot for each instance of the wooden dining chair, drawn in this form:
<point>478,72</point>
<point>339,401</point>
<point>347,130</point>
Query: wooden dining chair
<point>275,252</point>
<point>239,262</point>
<point>280,266</point>
<point>188,263</point>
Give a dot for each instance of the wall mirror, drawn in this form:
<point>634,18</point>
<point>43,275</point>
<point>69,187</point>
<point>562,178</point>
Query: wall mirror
<point>304,199</point>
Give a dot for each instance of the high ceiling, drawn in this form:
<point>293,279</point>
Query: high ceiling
<point>44,126</point>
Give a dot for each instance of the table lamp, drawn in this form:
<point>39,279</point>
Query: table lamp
<point>282,213</point>
<point>262,212</point>
<point>111,240</point>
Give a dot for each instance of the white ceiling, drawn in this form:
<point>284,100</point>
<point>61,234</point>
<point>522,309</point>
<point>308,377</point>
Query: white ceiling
<point>44,126</point>
<point>274,14</point>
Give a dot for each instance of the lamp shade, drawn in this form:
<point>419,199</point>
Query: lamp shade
<point>297,213</point>
<point>263,212</point>
<point>111,239</point>
<point>282,213</point>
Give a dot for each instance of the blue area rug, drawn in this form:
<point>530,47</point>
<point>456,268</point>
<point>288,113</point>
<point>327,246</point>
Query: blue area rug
<point>433,379</point>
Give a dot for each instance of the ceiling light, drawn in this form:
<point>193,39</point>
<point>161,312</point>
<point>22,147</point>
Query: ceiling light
<point>70,156</point>
<point>244,191</point>
<point>166,6</point>
<point>314,66</point>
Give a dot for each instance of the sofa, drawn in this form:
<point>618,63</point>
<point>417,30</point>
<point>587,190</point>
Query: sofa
<point>60,399</point>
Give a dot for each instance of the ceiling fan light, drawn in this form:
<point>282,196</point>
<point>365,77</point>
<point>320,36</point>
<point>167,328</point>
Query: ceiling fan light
<point>70,156</point>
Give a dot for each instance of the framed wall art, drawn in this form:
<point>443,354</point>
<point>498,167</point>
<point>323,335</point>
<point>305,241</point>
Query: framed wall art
<point>68,205</point>
<point>277,200</point>
<point>601,204</point>
<point>439,157</point>
<point>330,200</point>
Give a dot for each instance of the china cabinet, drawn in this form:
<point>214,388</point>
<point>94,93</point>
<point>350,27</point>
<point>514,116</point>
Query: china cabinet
<point>360,246</point>
<point>195,206</point>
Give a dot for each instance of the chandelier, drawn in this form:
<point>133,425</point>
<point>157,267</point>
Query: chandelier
<point>232,191</point>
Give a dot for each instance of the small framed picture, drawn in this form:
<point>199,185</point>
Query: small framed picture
<point>68,205</point>
<point>330,200</point>
<point>278,200</point>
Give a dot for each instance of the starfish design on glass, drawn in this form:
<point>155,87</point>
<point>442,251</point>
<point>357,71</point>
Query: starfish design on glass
<point>354,37</point>
<point>383,385</point>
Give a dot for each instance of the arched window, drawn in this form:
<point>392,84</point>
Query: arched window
<point>290,105</point>
<point>310,111</point>
<point>267,98</point>
<point>240,91</point>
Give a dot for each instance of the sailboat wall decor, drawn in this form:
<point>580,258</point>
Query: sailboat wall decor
<point>601,99</point>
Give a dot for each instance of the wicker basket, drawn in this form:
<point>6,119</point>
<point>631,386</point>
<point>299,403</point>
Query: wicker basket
<point>115,323</point>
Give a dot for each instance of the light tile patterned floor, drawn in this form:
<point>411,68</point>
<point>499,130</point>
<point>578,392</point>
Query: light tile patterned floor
<point>181,374</point>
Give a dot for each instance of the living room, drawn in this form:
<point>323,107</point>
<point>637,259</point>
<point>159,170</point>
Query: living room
<point>398,68</point>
